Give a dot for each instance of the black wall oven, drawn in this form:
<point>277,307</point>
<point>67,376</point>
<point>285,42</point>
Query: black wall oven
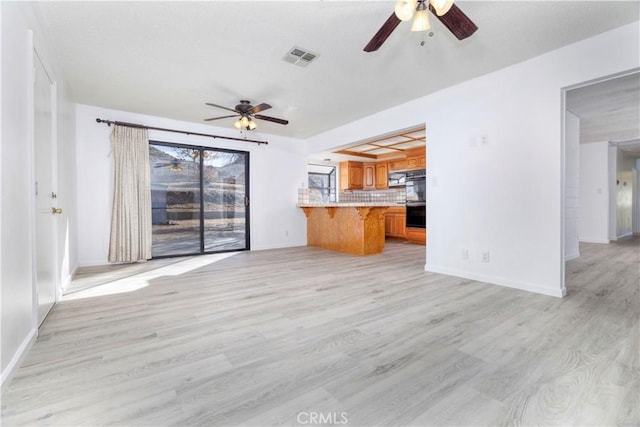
<point>416,185</point>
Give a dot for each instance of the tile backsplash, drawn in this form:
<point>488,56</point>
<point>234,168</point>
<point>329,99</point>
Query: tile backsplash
<point>372,196</point>
<point>308,196</point>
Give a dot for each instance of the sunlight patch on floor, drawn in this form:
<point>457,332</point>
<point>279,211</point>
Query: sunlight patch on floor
<point>141,280</point>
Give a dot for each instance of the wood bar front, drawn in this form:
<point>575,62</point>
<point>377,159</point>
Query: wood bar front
<point>355,230</point>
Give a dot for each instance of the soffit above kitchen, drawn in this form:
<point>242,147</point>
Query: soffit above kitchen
<point>167,59</point>
<point>391,146</point>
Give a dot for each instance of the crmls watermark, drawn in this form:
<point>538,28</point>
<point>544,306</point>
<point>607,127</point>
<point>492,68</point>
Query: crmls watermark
<point>331,418</point>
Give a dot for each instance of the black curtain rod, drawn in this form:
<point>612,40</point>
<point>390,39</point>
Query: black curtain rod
<point>135,125</point>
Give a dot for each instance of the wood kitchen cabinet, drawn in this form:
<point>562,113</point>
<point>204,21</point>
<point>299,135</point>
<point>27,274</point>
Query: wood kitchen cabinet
<point>394,222</point>
<point>351,175</point>
<point>397,165</point>
<point>417,159</point>
<point>369,176</point>
<point>382,176</point>
<point>416,235</point>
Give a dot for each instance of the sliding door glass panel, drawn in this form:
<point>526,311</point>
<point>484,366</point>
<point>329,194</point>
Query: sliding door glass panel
<point>224,191</point>
<point>175,200</point>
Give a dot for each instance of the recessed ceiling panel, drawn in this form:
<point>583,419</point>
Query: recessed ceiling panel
<point>409,145</point>
<point>382,151</point>
<point>391,141</point>
<point>361,148</point>
<point>417,134</point>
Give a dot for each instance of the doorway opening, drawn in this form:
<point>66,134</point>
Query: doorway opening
<point>200,199</point>
<point>601,152</point>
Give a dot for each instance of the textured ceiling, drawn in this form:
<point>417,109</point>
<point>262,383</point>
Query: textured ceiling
<point>609,111</point>
<point>168,58</point>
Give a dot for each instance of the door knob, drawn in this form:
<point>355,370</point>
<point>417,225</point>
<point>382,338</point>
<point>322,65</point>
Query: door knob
<point>56,210</point>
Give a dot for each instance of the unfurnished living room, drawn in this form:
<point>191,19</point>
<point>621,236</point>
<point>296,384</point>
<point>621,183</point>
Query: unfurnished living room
<point>356,213</point>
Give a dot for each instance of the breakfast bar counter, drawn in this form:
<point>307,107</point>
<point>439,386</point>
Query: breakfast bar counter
<point>354,228</point>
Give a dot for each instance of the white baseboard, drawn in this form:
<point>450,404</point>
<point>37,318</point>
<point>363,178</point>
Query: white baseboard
<point>93,263</point>
<point>19,355</point>
<point>593,240</point>
<point>572,256</point>
<point>500,281</point>
<point>622,236</point>
<point>68,280</point>
<point>278,246</point>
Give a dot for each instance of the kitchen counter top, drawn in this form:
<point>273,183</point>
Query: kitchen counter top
<point>349,205</point>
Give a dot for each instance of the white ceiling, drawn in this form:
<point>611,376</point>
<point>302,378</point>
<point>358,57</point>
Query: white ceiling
<point>168,58</point>
<point>609,111</point>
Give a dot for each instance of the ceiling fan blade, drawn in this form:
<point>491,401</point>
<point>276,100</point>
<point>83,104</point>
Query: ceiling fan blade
<point>457,22</point>
<point>221,117</point>
<point>272,119</point>
<point>383,33</point>
<point>258,108</point>
<point>220,106</point>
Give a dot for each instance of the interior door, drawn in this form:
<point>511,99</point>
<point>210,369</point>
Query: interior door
<point>44,156</point>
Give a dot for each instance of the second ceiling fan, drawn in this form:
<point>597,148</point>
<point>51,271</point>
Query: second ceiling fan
<point>448,13</point>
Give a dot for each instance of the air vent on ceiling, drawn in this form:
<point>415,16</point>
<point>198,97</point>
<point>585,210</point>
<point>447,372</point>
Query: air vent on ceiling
<point>300,57</point>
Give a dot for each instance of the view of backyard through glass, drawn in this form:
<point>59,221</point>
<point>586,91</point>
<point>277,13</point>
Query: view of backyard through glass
<point>198,200</point>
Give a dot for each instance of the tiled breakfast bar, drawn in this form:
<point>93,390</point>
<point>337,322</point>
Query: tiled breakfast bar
<point>354,228</point>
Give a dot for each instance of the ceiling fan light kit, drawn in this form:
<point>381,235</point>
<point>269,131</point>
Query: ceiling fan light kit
<point>404,9</point>
<point>419,10</point>
<point>421,20</point>
<point>454,19</point>
<point>441,6</point>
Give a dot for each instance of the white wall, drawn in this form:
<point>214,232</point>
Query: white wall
<point>503,197</point>
<point>277,169</point>
<point>571,186</point>
<point>624,194</point>
<point>636,204</point>
<point>593,221</point>
<point>612,161</point>
<point>20,25</point>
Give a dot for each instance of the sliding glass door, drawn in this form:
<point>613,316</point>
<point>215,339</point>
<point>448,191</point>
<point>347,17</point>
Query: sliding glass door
<point>199,199</point>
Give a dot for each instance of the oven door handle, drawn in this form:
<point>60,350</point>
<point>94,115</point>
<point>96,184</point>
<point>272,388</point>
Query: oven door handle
<point>416,204</point>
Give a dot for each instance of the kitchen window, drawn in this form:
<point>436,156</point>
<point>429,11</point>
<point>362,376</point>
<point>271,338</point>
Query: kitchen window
<point>322,183</point>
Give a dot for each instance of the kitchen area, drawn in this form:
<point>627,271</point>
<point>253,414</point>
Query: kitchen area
<point>382,196</point>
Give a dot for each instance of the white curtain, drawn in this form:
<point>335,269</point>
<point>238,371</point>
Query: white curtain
<point>131,213</point>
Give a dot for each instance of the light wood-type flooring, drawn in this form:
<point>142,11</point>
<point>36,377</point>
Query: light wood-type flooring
<point>274,337</point>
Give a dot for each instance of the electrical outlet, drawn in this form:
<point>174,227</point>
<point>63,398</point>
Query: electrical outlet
<point>484,140</point>
<point>286,233</point>
<point>485,256</point>
<point>465,254</point>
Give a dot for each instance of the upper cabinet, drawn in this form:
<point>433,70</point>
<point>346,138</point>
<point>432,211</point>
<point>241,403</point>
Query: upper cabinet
<point>397,165</point>
<point>375,176</point>
<point>369,176</point>
<point>417,159</point>
<point>351,175</point>
<point>382,176</point>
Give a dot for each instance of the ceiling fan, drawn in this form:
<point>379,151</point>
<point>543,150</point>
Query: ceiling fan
<point>247,113</point>
<point>448,13</point>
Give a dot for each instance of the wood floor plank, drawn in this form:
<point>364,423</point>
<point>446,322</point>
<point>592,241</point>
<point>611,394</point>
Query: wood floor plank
<point>256,338</point>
